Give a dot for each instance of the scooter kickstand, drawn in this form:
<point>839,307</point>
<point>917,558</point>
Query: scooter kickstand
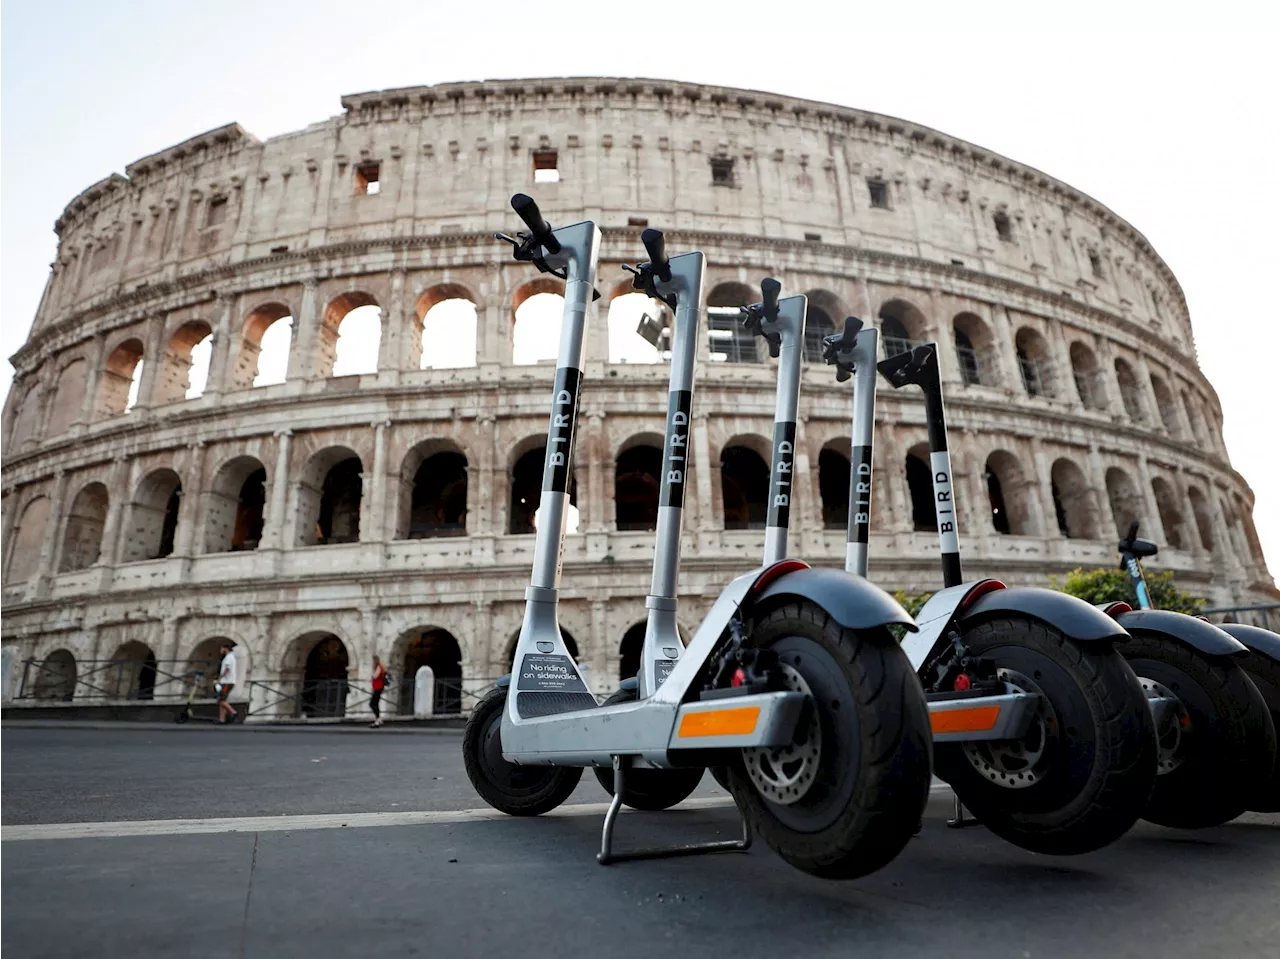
<point>607,856</point>
<point>958,819</point>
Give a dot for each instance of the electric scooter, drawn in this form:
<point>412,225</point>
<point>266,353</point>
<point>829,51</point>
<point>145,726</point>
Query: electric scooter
<point>785,675</point>
<point>1039,726</point>
<point>188,714</point>
<point>1216,734</point>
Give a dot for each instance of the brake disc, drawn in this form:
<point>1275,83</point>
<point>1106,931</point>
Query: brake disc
<point>1018,763</point>
<point>783,774</point>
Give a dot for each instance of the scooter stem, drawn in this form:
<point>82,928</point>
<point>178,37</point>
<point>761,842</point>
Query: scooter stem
<point>864,428</point>
<point>788,324</point>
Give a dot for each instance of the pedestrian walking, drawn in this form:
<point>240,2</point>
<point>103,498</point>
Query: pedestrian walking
<point>227,682</point>
<point>378,685</point>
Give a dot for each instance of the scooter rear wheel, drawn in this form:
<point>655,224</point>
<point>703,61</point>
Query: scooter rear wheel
<point>1265,674</point>
<point>1080,777</point>
<point>650,789</point>
<point>844,798</point>
<point>508,787</point>
<point>1217,746</point>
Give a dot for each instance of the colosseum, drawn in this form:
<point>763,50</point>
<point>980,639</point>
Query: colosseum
<point>167,483</point>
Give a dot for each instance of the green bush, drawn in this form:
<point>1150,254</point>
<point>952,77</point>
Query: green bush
<point>912,603</point>
<point>1113,585</point>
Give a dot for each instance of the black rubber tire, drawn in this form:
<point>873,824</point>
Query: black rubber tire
<point>1265,674</point>
<point>508,787</point>
<point>1230,749</point>
<point>650,789</point>
<point>1100,758</point>
<point>873,764</point>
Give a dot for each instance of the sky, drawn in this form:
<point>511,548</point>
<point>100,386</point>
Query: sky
<point>1165,113</point>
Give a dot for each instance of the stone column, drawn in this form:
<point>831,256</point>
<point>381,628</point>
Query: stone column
<point>96,361</point>
<point>396,328</point>
<point>803,523</point>
<point>595,514</point>
<point>373,503</point>
<point>306,333</point>
<point>10,521</point>
<point>1007,352</point>
<point>889,481</point>
<point>152,364</point>
<point>1189,523</point>
<point>1064,371</point>
<point>481,511</point>
<point>167,652</point>
<point>118,494</point>
<point>1098,492</point>
<point>704,471</point>
<point>274,526</point>
<point>52,534</point>
<point>1153,523</point>
<point>190,514</point>
<point>1147,396</point>
<point>1105,382</point>
<point>596,654</point>
<point>220,357</point>
<point>1042,467</point>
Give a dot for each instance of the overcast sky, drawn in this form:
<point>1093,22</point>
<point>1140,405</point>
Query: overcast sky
<point>1166,119</point>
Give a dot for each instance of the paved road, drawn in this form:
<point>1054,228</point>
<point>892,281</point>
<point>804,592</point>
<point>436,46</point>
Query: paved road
<point>460,885</point>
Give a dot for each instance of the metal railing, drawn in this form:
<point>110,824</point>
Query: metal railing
<point>1266,615</point>
<point>134,680</point>
<point>328,699</point>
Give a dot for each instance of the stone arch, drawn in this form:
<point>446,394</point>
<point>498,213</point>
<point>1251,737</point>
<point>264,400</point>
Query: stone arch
<point>118,384</point>
<point>537,311</point>
<point>826,310</point>
<point>1126,502</point>
<point>184,366</point>
<point>68,397</point>
<point>924,513</point>
<point>525,486</point>
<point>1009,494</point>
<point>510,656</point>
<point>433,483</point>
<point>902,326</point>
<point>434,647</point>
<point>318,662</point>
<point>204,662</point>
<point>1033,362</point>
<point>152,522</point>
<point>1072,501</point>
<point>637,480</point>
<point>82,536</point>
<point>28,538</point>
<point>744,482</point>
<point>132,672</point>
<point>350,333</point>
<point>1084,368</point>
<point>1169,510</point>
<point>1130,392</point>
<point>630,650</point>
<point>56,677</point>
<point>329,497</point>
<point>728,340</point>
<point>1164,404</point>
<point>447,313</point>
<point>26,422</point>
<point>265,341</point>
<point>234,516</point>
<point>833,483</point>
<point>1203,516</point>
<point>1196,418</point>
<point>975,349</point>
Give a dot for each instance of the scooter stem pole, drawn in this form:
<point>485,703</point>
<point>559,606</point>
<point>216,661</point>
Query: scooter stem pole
<point>940,464</point>
<point>864,428</point>
<point>790,326</point>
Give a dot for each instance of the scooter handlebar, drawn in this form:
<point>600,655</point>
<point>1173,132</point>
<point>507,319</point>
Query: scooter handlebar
<point>527,209</point>
<point>769,289</point>
<point>656,246</point>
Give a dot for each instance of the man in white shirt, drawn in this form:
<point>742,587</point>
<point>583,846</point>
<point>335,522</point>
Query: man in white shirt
<point>226,682</point>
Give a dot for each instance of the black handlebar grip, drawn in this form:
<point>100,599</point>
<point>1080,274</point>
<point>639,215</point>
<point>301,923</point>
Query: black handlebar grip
<point>770,288</point>
<point>656,246</point>
<point>852,327</point>
<point>528,211</point>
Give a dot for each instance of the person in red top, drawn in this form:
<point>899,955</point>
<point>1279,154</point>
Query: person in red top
<point>379,683</point>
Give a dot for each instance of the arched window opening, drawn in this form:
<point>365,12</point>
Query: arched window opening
<point>1072,501</point>
<point>1009,496</point>
<point>438,505</point>
<point>630,650</point>
<point>359,336</point>
<point>1204,521</point>
<point>744,486</point>
<point>324,680</point>
<point>68,397</point>
<point>1195,418</point>
<point>570,644</point>
<point>1164,403</point>
<point>184,366</point>
<point>27,540</point>
<point>236,504</point>
<point>339,516</point>
<point>1125,500</point>
<point>438,649</point>
<point>526,494</point>
<point>637,482</point>
<point>118,385</point>
<point>263,358</point>
<point>902,327</point>
<point>1084,367</point>
<point>449,320</point>
<point>1170,514</point>
<point>203,665</point>
<point>817,325</point>
<point>924,514</point>
<point>27,419</point>
<point>82,539</point>
<point>56,677</point>
<point>967,357</point>
<point>1003,225</point>
<point>536,337</point>
<point>631,317</point>
<point>894,335</point>
<point>132,672</point>
<point>999,512</point>
<point>1033,362</point>
<point>974,343</point>
<point>153,517</point>
<point>1130,393</point>
<point>728,340</point>
<point>833,485</point>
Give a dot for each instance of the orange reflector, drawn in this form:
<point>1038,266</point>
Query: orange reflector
<point>720,722</point>
<point>975,719</point>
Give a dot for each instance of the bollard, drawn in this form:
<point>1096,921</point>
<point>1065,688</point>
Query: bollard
<point>424,693</point>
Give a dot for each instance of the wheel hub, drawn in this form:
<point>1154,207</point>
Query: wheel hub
<point>1172,731</point>
<point>1018,763</point>
<point>784,774</point>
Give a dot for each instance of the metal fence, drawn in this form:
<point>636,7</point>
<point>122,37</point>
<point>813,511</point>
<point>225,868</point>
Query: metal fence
<point>133,680</point>
<point>1266,615</point>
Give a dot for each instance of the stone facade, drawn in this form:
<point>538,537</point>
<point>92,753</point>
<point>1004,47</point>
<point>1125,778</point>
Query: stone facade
<point>1066,348</point>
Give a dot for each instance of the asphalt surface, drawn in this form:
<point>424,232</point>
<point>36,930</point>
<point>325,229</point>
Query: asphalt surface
<point>464,884</point>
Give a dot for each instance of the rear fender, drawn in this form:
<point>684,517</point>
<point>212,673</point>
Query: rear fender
<point>1256,639</point>
<point>1068,614</point>
<point>1181,628</point>
<point>852,601</point>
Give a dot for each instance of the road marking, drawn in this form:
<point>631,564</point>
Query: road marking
<point>357,820</point>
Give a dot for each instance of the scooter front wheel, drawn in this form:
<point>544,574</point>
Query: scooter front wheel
<point>650,789</point>
<point>1265,674</point>
<point>845,797</point>
<point>508,787</point>
<point>1080,776</point>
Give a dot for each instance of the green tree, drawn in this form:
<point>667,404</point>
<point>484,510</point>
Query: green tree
<point>1113,585</point>
<point>912,603</point>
